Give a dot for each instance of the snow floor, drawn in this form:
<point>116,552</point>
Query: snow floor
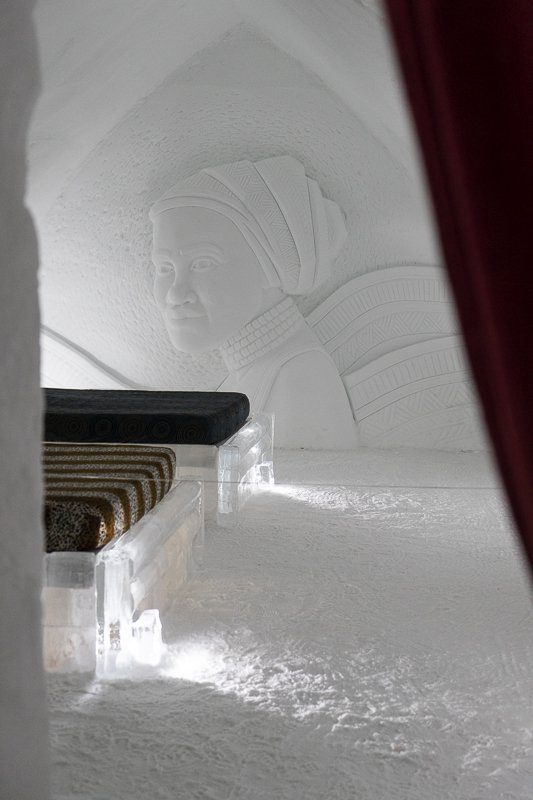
<point>365,633</point>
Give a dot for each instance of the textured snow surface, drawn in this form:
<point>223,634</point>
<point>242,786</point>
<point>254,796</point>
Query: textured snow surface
<point>343,642</point>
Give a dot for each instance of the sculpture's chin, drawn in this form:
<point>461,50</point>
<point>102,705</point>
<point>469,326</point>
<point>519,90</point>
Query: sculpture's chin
<point>195,335</point>
<point>191,345</point>
<point>190,341</point>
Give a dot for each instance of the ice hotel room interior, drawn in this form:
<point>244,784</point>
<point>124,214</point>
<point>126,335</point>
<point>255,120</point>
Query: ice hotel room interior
<point>266,508</point>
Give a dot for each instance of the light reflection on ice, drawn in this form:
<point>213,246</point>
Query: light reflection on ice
<point>196,660</point>
<point>367,504</point>
<point>403,507</point>
<point>364,698</point>
<point>292,683</point>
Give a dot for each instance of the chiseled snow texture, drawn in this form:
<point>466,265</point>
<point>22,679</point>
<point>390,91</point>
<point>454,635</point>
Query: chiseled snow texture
<point>344,641</point>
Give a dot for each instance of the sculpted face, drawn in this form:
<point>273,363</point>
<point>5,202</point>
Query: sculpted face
<point>208,281</point>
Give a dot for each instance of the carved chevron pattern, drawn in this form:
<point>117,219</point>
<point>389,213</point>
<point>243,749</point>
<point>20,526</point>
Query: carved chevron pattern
<point>418,396</point>
<point>375,338</point>
<point>374,313</point>
<point>441,417</point>
<point>247,184</point>
<point>390,333</point>
<point>284,178</point>
<point>406,367</point>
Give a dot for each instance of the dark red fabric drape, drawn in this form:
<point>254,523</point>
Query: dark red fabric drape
<point>468,71</point>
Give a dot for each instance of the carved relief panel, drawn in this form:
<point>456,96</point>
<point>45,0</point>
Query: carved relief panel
<point>375,364</point>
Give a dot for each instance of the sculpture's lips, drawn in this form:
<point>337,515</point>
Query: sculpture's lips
<point>177,314</point>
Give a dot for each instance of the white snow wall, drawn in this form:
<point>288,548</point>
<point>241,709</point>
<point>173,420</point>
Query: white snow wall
<point>23,725</point>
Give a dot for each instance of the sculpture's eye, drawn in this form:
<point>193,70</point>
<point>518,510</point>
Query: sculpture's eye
<point>164,268</point>
<point>203,264</point>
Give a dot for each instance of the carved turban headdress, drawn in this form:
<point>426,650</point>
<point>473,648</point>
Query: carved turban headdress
<point>294,231</point>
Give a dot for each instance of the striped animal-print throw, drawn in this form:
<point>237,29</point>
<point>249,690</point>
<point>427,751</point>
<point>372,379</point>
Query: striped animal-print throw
<point>96,492</point>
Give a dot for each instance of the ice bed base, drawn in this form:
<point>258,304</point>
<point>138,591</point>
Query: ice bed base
<point>101,610</point>
<point>231,471</point>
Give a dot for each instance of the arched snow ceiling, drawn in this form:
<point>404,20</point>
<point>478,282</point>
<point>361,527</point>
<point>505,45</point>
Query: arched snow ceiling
<point>137,94</point>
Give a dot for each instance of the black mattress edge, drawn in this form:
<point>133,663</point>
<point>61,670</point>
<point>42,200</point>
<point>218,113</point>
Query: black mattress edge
<point>84,415</point>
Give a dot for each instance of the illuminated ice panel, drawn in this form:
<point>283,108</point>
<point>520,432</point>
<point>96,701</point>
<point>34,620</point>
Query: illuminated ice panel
<point>244,463</point>
<point>232,470</point>
<point>101,610</point>
<point>69,612</point>
<point>143,570</point>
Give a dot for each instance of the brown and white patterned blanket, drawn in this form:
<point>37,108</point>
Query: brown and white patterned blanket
<point>94,492</point>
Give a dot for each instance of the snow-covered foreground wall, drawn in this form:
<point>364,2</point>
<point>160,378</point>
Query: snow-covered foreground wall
<point>23,728</point>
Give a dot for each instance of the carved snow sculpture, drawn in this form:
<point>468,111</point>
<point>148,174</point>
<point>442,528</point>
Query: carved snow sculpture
<point>231,245</point>
<point>382,311</point>
<point>392,334</point>
<point>418,396</point>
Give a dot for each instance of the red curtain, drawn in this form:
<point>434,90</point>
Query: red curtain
<point>468,71</point>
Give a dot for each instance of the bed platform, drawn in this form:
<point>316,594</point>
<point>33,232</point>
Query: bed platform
<point>125,522</point>
<point>210,433</point>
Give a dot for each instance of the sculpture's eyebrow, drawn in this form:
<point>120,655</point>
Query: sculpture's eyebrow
<point>161,252</point>
<point>201,247</point>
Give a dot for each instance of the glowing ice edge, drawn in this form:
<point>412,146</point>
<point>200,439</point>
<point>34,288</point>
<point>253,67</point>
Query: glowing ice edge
<point>101,610</point>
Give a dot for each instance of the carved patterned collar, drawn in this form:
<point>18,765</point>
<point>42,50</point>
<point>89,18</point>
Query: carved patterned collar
<point>262,335</point>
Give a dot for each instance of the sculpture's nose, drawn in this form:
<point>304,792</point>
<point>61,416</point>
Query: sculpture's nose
<point>180,291</point>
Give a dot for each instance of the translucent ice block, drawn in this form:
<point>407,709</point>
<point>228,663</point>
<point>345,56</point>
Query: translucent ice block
<point>244,463</point>
<point>96,605</point>
<point>232,470</point>
<point>144,569</point>
<point>147,642</point>
<point>69,612</point>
